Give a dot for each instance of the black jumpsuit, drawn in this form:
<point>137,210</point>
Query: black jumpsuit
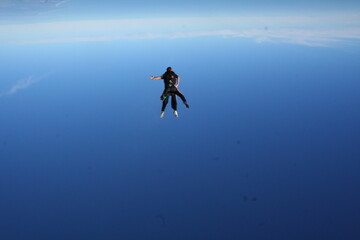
<point>170,80</point>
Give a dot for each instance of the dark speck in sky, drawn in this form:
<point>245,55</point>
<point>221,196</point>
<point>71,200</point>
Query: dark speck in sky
<point>162,220</point>
<point>261,224</point>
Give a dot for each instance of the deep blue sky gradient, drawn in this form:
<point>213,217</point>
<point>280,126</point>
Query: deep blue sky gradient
<point>268,150</point>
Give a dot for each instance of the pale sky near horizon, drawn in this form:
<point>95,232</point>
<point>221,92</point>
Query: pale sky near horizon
<point>319,24</point>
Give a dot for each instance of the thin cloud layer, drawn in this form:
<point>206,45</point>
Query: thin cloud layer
<point>23,4</point>
<point>322,30</point>
<point>22,8</point>
<point>324,38</point>
<point>22,84</point>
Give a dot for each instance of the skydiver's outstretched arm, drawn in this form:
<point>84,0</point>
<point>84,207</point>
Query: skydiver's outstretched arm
<point>155,78</point>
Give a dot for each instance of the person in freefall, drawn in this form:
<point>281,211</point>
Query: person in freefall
<point>171,83</point>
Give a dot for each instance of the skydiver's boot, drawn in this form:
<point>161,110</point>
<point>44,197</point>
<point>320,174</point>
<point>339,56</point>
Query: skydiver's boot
<point>186,104</point>
<point>176,114</point>
<point>162,114</point>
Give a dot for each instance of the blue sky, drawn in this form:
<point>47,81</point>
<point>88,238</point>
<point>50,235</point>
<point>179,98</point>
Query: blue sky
<point>269,148</point>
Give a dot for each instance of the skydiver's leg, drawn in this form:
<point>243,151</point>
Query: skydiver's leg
<point>177,92</point>
<point>165,94</point>
<point>173,102</point>
<point>165,101</point>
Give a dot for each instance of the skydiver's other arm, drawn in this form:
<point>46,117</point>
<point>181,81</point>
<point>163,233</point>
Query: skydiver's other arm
<point>155,78</point>
<point>177,81</point>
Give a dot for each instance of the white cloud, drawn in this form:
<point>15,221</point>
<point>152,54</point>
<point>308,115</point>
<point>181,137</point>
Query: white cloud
<point>61,2</point>
<point>302,37</point>
<point>321,30</point>
<point>22,84</point>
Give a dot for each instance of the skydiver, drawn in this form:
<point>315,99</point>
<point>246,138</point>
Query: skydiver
<point>171,83</point>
